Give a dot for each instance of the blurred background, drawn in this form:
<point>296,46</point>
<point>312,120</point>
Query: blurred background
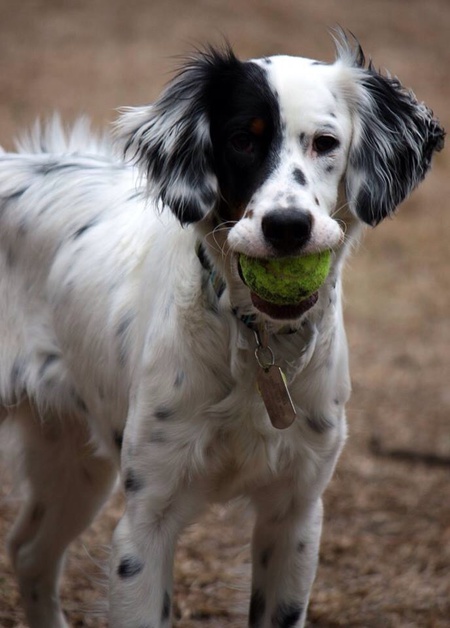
<point>385,557</point>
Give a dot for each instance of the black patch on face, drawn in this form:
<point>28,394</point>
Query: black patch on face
<point>245,133</point>
<point>132,483</point>
<point>166,607</point>
<point>129,566</point>
<point>299,177</point>
<point>287,615</point>
<point>257,608</point>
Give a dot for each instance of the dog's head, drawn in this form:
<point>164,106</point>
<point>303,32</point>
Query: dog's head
<point>279,154</point>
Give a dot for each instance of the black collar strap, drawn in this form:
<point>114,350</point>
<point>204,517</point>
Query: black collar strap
<point>218,284</point>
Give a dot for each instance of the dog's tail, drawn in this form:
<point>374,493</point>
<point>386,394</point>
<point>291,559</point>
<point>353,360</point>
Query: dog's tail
<point>54,138</point>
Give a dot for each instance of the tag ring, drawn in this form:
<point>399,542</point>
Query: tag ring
<point>265,357</point>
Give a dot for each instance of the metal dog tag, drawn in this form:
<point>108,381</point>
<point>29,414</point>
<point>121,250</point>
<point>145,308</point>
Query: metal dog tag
<point>275,395</point>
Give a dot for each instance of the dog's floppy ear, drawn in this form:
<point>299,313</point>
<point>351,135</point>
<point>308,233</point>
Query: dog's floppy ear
<point>170,139</point>
<point>394,138</point>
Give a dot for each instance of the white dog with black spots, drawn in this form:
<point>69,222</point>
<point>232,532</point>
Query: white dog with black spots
<point>128,335</point>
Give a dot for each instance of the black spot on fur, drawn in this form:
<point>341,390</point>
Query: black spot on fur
<point>37,513</point>
<point>287,615</point>
<point>179,378</point>
<point>10,256</point>
<point>13,197</point>
<point>52,166</point>
<point>163,413</point>
<point>18,377</point>
<point>79,232</point>
<point>265,557</point>
<point>299,176</point>
<point>118,439</point>
<point>129,566</point>
<point>49,359</point>
<point>166,607</point>
<point>320,423</point>
<point>157,436</point>
<point>139,194</point>
<point>301,547</point>
<point>79,403</point>
<point>257,608</point>
<point>122,332</point>
<point>132,483</point>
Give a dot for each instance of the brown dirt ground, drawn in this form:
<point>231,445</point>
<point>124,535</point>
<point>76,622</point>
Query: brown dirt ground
<point>385,557</point>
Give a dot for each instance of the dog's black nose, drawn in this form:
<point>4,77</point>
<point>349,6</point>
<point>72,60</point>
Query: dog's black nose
<point>287,230</point>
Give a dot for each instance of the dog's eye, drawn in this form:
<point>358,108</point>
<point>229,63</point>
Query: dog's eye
<point>243,143</point>
<point>325,144</point>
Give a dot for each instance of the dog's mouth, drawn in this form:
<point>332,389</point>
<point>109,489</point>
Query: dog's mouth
<point>277,311</point>
<point>284,312</point>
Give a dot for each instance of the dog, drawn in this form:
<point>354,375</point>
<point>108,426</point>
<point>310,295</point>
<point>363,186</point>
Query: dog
<point>130,339</point>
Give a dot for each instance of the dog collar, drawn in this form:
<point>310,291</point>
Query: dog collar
<point>217,282</point>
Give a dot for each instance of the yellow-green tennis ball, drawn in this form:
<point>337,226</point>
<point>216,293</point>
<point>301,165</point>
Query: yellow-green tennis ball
<point>288,280</point>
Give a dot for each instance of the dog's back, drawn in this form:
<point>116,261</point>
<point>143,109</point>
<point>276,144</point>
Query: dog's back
<point>59,197</point>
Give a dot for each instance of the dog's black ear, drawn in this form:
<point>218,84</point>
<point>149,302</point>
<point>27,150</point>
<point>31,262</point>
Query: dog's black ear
<point>170,140</point>
<point>394,139</point>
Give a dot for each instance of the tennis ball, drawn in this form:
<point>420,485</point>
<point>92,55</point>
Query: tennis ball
<point>288,280</point>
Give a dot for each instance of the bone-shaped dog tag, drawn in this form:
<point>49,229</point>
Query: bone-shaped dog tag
<point>275,395</point>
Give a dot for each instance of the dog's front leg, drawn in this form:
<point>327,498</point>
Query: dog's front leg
<point>158,506</point>
<point>284,554</point>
